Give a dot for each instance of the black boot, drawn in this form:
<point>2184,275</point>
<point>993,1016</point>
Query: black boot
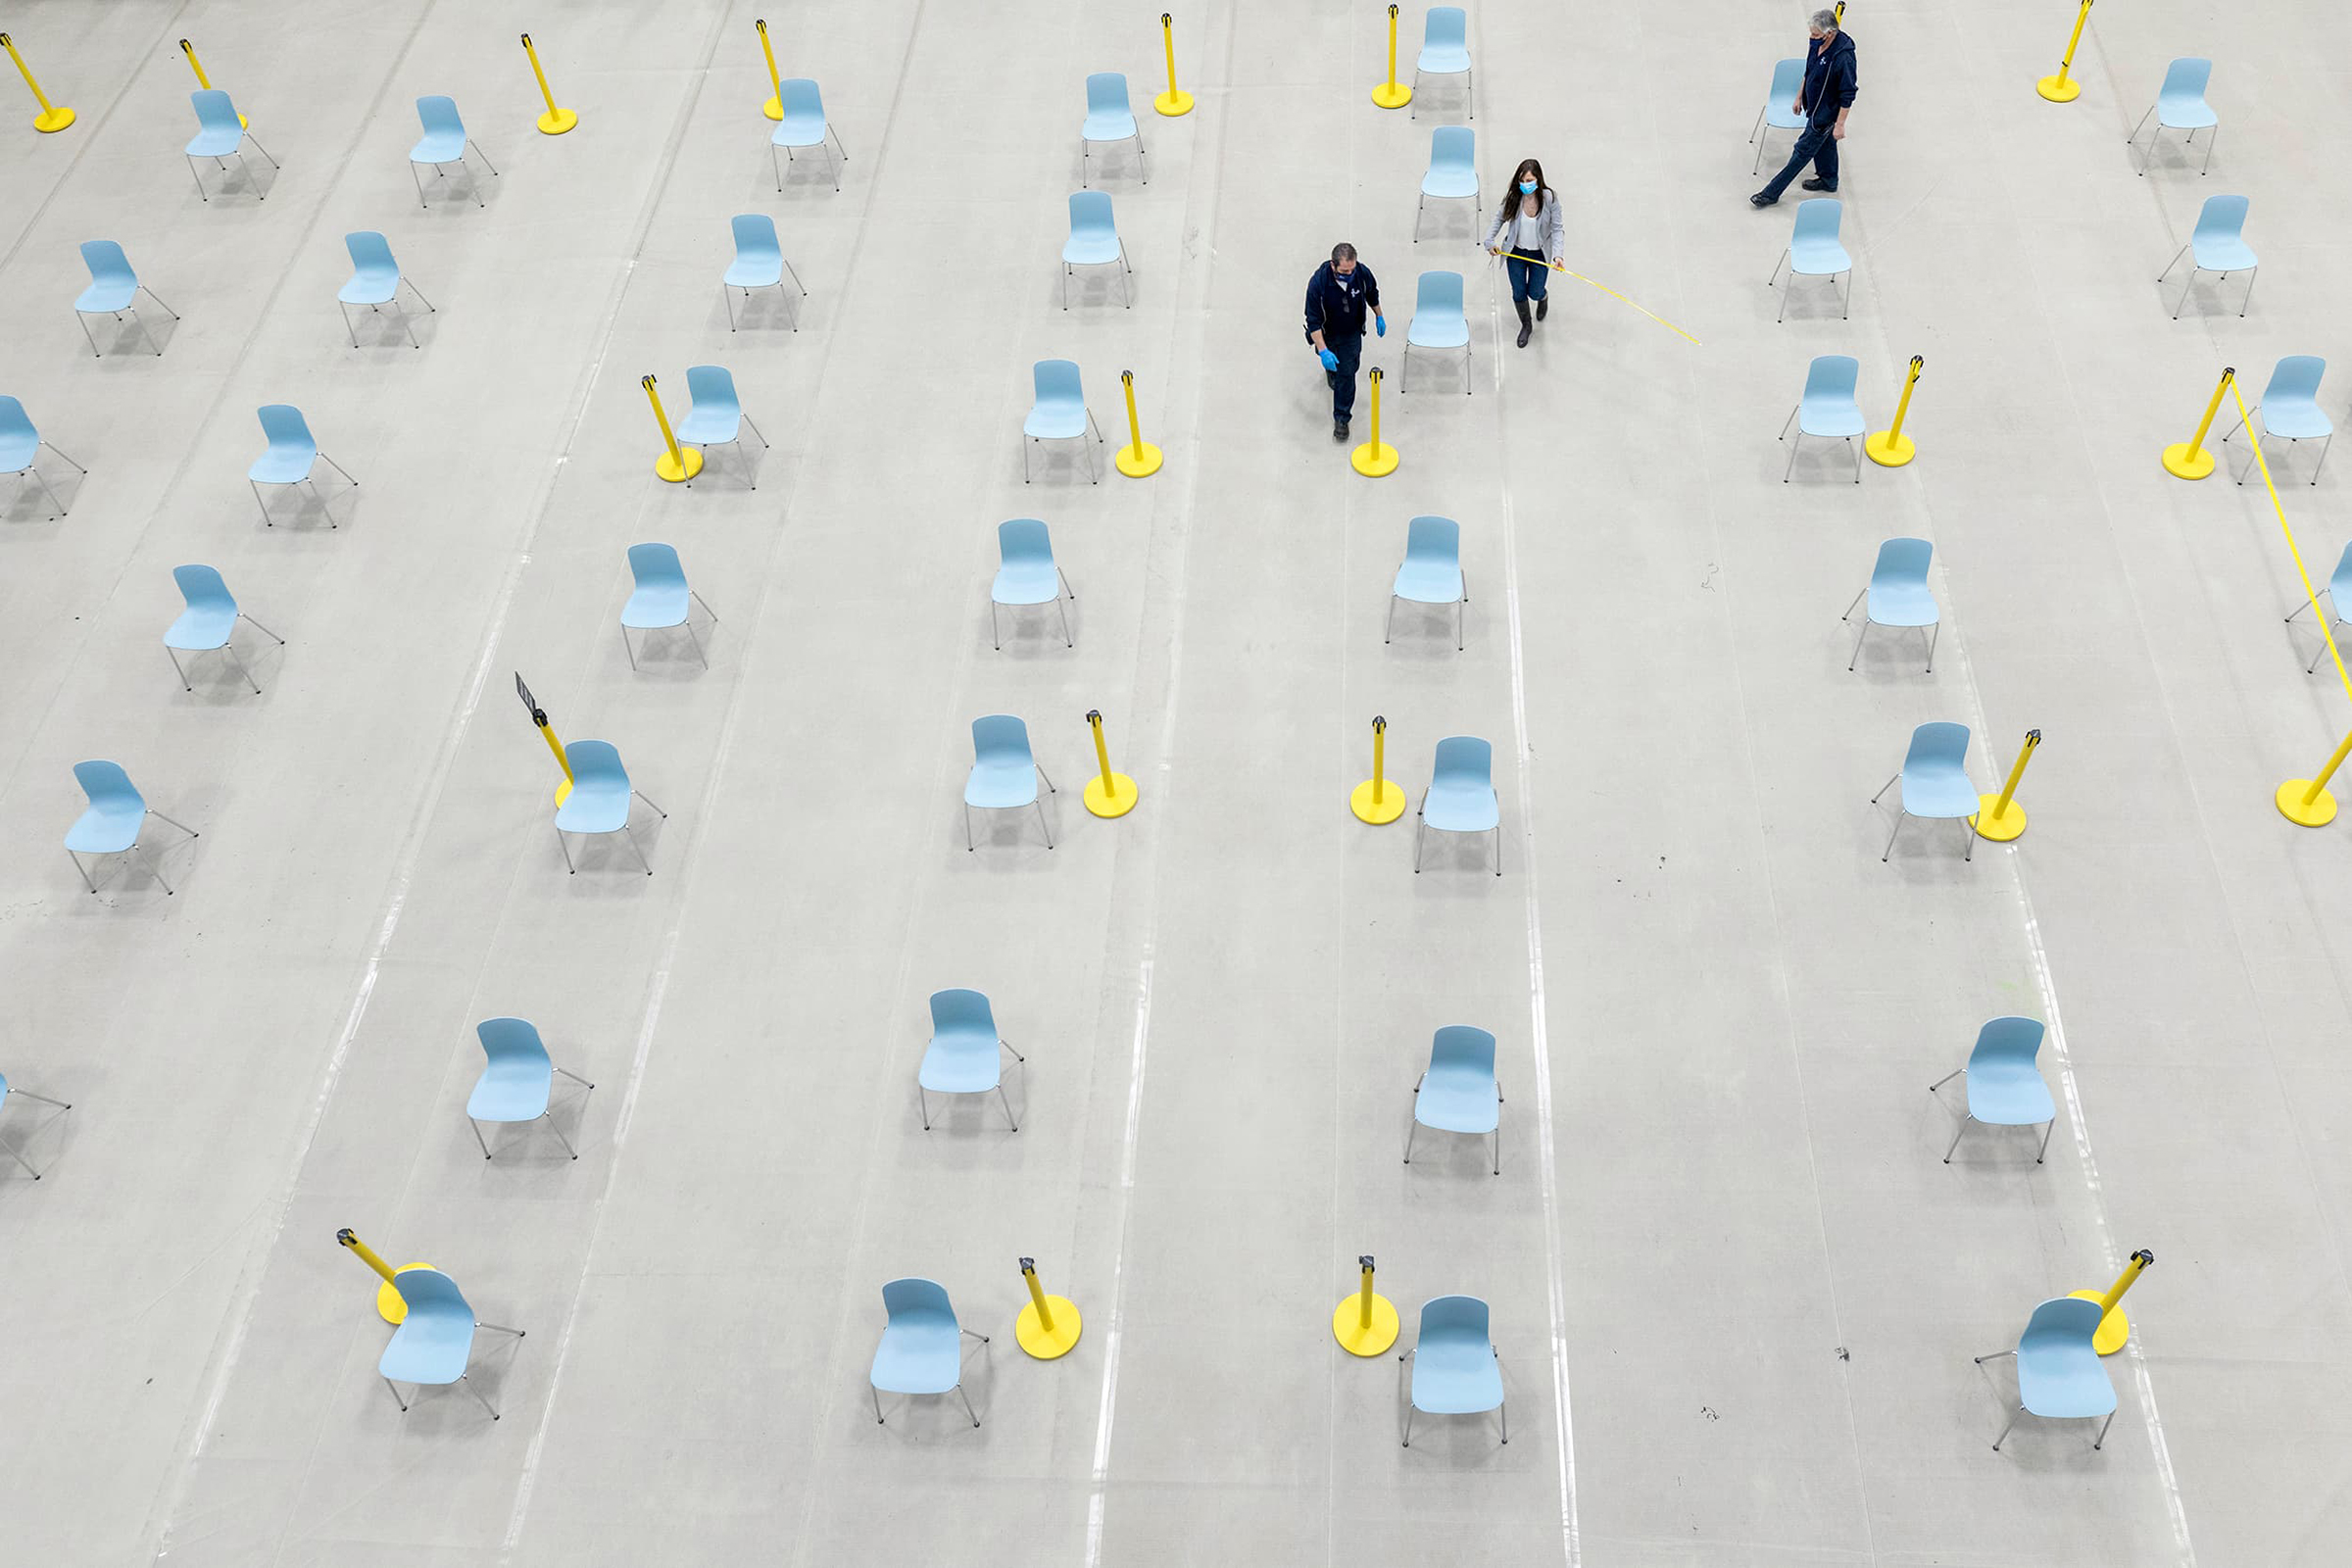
<point>1543,305</point>
<point>1526,326</point>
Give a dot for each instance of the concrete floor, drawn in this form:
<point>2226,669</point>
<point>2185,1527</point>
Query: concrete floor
<point>1735,1290</point>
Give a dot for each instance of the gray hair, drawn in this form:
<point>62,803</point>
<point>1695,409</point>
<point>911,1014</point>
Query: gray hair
<point>1824,21</point>
<point>1343,252</point>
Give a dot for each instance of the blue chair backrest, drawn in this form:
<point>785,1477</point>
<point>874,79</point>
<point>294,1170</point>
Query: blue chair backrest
<point>2007,1040</point>
<point>1832,376</point>
<point>1438,540</point>
<point>431,1291</point>
<point>2221,218</point>
<point>510,1040</point>
<point>214,110</point>
<point>1817,219</point>
<point>1902,561</point>
<point>1024,540</point>
<point>712,386</point>
<point>756,236</point>
<point>2295,378</point>
<point>201,586</point>
<point>1452,147</point>
<point>1942,744</point>
<point>1456,1318</point>
<point>107,262</point>
<point>961,1011</point>
<point>370,250</point>
<point>2186,77</point>
<point>2058,1324</point>
<point>1057,381</point>
<point>104,781</point>
<point>284,426</point>
<point>798,98</point>
<point>1464,760</point>
<point>439,112</point>
<point>1106,92</point>
<point>1787,76</point>
<point>1439,293</point>
<point>1090,211</point>
<point>1446,25</point>
<point>1001,738</point>
<point>595,763</point>
<point>13,418</point>
<point>657,566</point>
<point>1462,1048</point>
<point>916,1299</point>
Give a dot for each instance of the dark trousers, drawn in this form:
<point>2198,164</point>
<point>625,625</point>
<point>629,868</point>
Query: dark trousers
<point>1350,351</point>
<point>1527,277</point>
<point>1817,147</point>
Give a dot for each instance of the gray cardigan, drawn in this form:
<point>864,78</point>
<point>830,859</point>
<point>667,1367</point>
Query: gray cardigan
<point>1555,226</point>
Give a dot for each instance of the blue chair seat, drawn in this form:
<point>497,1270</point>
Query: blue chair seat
<point>654,606</point>
<point>1901,604</point>
<point>1025,581</point>
<point>1440,325</point>
<point>1427,577</point>
<point>599,802</point>
<point>1458,1093</point>
<point>200,628</point>
<point>1938,790</point>
<point>435,1341</point>
<point>706,425</point>
<point>755,269</point>
<point>1054,420</point>
<point>803,121</point>
<point>920,1351</point>
<point>106,827</point>
<point>1455,1379</point>
<point>2007,1092</point>
<point>2058,1372</point>
<point>998,783</point>
<point>2296,420</point>
<point>1107,125</point>
<point>512,1089</point>
<point>1456,805</point>
<point>1449,179</point>
<point>961,1062</point>
<point>19,446</point>
<point>107,294</point>
<point>1091,248</point>
<point>2226,253</point>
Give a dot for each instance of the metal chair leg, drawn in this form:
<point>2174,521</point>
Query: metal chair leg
<point>1965,1119</point>
<point>1791,467</point>
<point>641,860</point>
<point>877,1393</point>
<point>396,1398</point>
<point>153,869</point>
<point>1007,1105</point>
<point>1900,818</point>
<point>1858,636</point>
<point>959,1393</point>
<point>566,849</point>
<point>185,687</point>
<point>2175,262</point>
<point>467,1384</point>
<point>2101,1439</point>
<point>478,1138</point>
<point>85,332</point>
<point>2048,1128</point>
<point>2004,1437</point>
<point>85,876</point>
<point>1412,1126</point>
<point>1945,1079</point>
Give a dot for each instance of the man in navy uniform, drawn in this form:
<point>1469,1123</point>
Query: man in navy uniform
<point>1825,100</point>
<point>1342,290</point>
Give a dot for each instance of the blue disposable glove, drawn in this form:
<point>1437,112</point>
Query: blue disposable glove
<point>1330,361</point>
<point>1380,326</point>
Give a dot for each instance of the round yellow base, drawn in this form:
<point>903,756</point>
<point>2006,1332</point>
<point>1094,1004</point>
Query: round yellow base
<point>56,118</point>
<point>2317,812</point>
<point>1392,95</point>
<point>1374,462</point>
<point>2059,89</point>
<point>1137,460</point>
<point>1033,1335</point>
<point>1116,801</point>
<point>555,121</point>
<point>2181,462</point>
<point>388,1304</point>
<point>1173,103</point>
<point>2113,1329</point>
<point>1387,807</point>
<point>774,108</point>
<point>1348,1325</point>
<point>672,470</point>
<point>1889,449</point>
<point>2002,828</point>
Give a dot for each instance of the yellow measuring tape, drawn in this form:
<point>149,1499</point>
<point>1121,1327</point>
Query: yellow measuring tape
<point>1610,292</point>
<point>2311,595</point>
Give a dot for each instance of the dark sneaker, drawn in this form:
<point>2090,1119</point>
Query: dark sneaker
<point>1338,430</point>
<point>1759,199</point>
<point>1818,183</point>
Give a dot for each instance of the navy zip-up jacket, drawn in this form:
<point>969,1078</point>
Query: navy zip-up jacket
<point>1829,79</point>
<point>1337,305</point>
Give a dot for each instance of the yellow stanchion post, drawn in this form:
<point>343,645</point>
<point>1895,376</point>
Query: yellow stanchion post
<point>774,108</point>
<point>1112,793</point>
<point>1891,448</point>
<point>2306,801</point>
<point>53,117</point>
<point>1392,93</point>
<point>2191,461</point>
<point>1378,799</point>
<point>1364,1322</point>
<point>1375,458</point>
<point>1138,458</point>
<point>197,66</point>
<point>1998,816</point>
<point>676,462</point>
<point>388,1302</point>
<point>555,121</point>
<point>2060,90</point>
<point>1175,101</point>
<point>547,733</point>
<point>1048,1325</point>
<point>2114,1327</point>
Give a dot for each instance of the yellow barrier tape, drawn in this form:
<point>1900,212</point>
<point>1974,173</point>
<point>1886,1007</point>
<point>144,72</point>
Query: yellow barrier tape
<point>1611,293</point>
<point>2310,593</point>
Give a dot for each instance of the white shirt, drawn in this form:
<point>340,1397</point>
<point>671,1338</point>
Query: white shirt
<point>1527,234</point>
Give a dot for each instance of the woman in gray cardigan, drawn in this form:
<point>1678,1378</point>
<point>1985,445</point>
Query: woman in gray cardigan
<point>1530,235</point>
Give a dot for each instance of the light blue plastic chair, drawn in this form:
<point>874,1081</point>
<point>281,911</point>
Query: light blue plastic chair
<point>220,135</point>
<point>1935,780</point>
<point>922,1345</point>
<point>27,1093</point>
<point>1444,50</point>
<point>1899,595</point>
<point>803,125</point>
<point>2180,106</point>
<point>113,287</point>
<point>434,1343</point>
<point>21,448</point>
<point>1432,573</point>
<point>599,802</point>
<point>1108,119</point>
<point>444,142</point>
<point>1460,797</point>
<point>661,597</point>
<point>2339,592</point>
<point>1094,242</point>
<point>1458,1092</point>
<point>1438,323</point>
<point>759,263</point>
<point>1815,251</point>
<point>289,459</point>
<point>965,1054</point>
<point>376,280</point>
<point>1827,409</point>
<point>1005,773</point>
<point>1779,107</point>
<point>1058,412</point>
<point>2059,1377</point>
<point>1027,574</point>
<point>206,625</point>
<point>2004,1086</point>
<point>2218,244</point>
<point>1456,1369</point>
<point>518,1079</point>
<point>2290,408</point>
<point>714,416</point>
<point>110,824</point>
<point>1452,170</point>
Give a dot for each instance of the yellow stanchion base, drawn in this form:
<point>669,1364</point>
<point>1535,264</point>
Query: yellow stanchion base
<point>2318,811</point>
<point>2182,464</point>
<point>555,121</point>
<point>671,468</point>
<point>1372,462</point>
<point>774,108</point>
<point>2002,828</point>
<point>1392,95</point>
<point>2059,89</point>
<point>1117,800</point>
<point>1033,1336</point>
<point>57,118</point>
<point>1173,103</point>
<point>1348,1328</point>
<point>1388,807</point>
<point>2113,1329</point>
<point>388,1304</point>
<point>1889,449</point>
<point>1137,460</point>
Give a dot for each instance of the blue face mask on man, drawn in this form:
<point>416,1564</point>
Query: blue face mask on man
<point>1528,185</point>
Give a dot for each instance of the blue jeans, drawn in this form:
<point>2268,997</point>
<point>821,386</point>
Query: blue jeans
<point>1817,147</point>
<point>1348,350</point>
<point>1528,281</point>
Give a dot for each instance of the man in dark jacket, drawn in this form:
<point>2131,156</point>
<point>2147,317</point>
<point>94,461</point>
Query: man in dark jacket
<point>1336,297</point>
<point>1825,100</point>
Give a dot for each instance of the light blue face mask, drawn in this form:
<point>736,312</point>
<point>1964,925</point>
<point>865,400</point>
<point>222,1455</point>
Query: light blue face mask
<point>1528,185</point>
